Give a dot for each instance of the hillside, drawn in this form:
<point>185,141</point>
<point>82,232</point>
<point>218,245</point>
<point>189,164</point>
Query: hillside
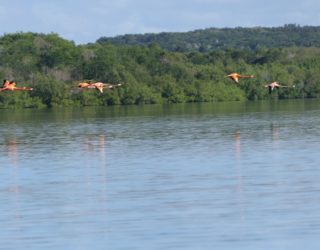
<point>220,39</point>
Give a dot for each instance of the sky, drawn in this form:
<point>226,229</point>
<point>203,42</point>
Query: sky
<point>84,21</point>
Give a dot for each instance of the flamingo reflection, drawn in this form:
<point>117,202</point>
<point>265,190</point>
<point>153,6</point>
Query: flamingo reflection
<point>237,137</point>
<point>239,175</point>
<point>14,186</point>
<point>91,145</point>
<point>94,147</point>
<point>275,132</point>
<point>12,149</point>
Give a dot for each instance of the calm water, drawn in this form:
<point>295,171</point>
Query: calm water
<point>208,176</point>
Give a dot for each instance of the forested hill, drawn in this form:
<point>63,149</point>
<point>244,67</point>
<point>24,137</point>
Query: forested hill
<point>205,40</point>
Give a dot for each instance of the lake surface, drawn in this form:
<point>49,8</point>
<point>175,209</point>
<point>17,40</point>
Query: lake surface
<point>194,176</point>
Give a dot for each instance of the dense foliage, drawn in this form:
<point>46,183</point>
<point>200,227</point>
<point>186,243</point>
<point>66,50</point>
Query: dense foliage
<point>53,67</point>
<point>210,39</point>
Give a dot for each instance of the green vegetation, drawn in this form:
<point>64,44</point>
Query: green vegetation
<point>151,74</point>
<point>210,39</point>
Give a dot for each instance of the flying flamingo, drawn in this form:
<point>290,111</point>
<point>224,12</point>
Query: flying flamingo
<point>11,86</point>
<point>275,85</point>
<point>97,85</point>
<point>235,77</point>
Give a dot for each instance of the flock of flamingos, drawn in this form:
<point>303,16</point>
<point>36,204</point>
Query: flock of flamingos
<point>271,86</point>
<point>12,86</point>
<point>99,86</point>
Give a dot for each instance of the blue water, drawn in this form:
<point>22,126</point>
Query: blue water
<point>195,176</point>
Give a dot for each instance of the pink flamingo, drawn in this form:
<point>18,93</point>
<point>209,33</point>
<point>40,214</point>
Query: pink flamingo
<point>235,77</point>
<point>11,86</point>
<point>97,85</point>
<point>275,85</point>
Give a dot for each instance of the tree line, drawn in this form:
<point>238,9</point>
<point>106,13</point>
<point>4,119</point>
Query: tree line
<point>150,74</point>
<point>205,40</point>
